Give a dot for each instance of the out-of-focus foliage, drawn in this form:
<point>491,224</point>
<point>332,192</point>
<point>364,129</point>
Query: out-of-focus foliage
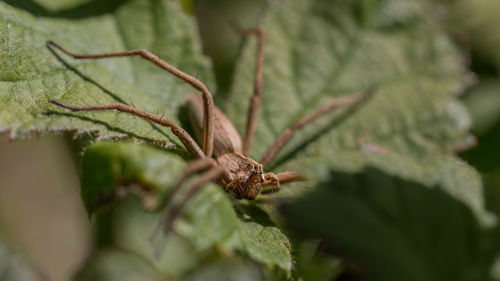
<point>115,265</point>
<point>475,23</point>
<point>13,267</point>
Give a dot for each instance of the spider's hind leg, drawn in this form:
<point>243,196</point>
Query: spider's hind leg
<point>287,134</point>
<point>253,107</point>
<point>210,171</point>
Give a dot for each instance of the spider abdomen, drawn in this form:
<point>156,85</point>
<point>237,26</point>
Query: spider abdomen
<point>226,137</point>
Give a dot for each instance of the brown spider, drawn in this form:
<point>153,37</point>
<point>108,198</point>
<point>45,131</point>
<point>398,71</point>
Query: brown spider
<point>224,156</point>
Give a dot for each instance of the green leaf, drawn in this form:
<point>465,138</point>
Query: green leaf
<point>316,50</point>
<point>32,73</point>
<point>113,170</point>
<point>453,176</point>
<point>261,239</point>
<point>395,228</point>
<point>109,167</point>
<point>13,267</point>
<point>319,50</point>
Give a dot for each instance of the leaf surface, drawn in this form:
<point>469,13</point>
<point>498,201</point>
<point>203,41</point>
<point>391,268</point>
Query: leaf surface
<point>32,73</point>
<point>112,171</point>
<point>319,50</point>
<point>316,50</point>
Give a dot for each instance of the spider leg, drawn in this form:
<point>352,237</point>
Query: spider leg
<point>185,138</point>
<point>192,168</point>
<point>212,171</point>
<point>208,106</point>
<point>167,223</point>
<point>281,178</point>
<point>253,107</point>
<point>282,139</point>
<point>289,176</point>
<point>271,179</point>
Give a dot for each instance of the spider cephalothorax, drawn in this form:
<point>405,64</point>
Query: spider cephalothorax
<point>247,176</point>
<point>223,157</point>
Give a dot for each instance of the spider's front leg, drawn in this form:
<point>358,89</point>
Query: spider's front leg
<point>271,179</point>
<point>208,103</point>
<point>277,179</point>
<point>183,136</point>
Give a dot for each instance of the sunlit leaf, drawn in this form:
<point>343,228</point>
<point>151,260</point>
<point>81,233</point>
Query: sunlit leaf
<point>319,50</point>
<point>32,73</point>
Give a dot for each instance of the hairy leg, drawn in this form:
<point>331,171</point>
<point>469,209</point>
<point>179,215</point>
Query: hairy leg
<point>289,176</point>
<point>208,108</point>
<point>167,223</point>
<point>271,179</point>
<point>282,139</point>
<point>185,138</point>
<point>212,171</point>
<point>253,107</point>
<point>193,167</point>
<point>281,178</point>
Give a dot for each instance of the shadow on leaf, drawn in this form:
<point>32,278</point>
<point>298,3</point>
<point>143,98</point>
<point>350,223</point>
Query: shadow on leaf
<point>394,228</point>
